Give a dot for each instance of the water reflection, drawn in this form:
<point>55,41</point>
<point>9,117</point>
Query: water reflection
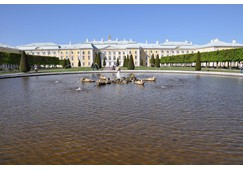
<point>179,119</point>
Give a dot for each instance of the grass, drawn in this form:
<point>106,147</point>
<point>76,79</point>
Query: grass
<point>186,69</point>
<point>65,70</point>
<point>124,68</point>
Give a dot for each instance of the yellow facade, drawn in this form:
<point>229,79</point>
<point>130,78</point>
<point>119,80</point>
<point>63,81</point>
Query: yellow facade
<point>111,50</point>
<point>86,57</point>
<point>136,55</point>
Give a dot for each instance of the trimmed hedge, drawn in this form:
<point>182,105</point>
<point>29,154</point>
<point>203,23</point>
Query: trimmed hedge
<point>231,55</point>
<point>14,58</point>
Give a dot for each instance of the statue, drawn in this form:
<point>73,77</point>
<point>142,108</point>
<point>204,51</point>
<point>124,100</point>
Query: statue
<point>118,74</point>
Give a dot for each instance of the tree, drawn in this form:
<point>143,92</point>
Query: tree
<point>131,65</point>
<point>127,61</point>
<point>24,64</point>
<point>68,63</point>
<point>152,61</point>
<point>104,62</point>
<point>124,61</point>
<point>198,62</point>
<point>99,60</point>
<point>95,58</point>
<point>141,62</point>
<point>157,61</point>
<point>79,63</point>
<point>117,62</point>
<point>64,64</point>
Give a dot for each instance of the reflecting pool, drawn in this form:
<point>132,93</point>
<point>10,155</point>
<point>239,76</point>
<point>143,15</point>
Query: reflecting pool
<point>178,119</point>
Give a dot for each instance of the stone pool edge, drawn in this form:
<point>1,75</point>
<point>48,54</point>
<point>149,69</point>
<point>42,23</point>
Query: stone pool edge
<point>16,75</point>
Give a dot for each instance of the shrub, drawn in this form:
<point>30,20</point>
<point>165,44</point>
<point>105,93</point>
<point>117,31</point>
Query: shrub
<point>131,65</point>
<point>198,62</point>
<point>104,61</point>
<point>157,61</point>
<point>24,64</point>
<point>124,61</point>
<point>152,61</point>
<point>117,62</point>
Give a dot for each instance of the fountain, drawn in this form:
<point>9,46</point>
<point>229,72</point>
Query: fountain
<point>177,119</point>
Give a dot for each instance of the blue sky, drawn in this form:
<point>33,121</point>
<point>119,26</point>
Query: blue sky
<point>22,24</point>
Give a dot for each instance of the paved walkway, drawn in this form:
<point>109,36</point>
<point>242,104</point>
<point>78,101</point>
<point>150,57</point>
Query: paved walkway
<point>15,75</point>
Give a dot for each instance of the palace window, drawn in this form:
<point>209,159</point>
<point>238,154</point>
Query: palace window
<point>83,52</point>
<point>66,57</point>
<point>78,52</point>
<point>172,52</point>
<point>61,52</point>
<point>66,52</point>
<point>88,57</point>
<point>135,52</point>
<point>83,57</point>
<point>89,63</point>
<point>88,52</point>
<point>177,52</point>
<point>72,52</point>
<point>156,52</point>
<point>123,52</point>
<point>130,52</point>
<point>119,52</point>
<point>109,52</point>
<point>136,57</point>
<point>114,58</point>
<point>72,57</point>
<point>162,51</point>
<point>182,52</point>
<point>114,52</point>
<point>83,64</point>
<point>168,51</point>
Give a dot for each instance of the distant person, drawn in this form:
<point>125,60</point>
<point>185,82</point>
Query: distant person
<point>113,67</point>
<point>36,68</point>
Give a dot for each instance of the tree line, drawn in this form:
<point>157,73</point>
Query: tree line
<point>14,58</point>
<point>155,62</point>
<point>128,62</point>
<point>232,55</point>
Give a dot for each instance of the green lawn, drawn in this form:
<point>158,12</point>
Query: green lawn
<point>185,69</point>
<point>65,70</point>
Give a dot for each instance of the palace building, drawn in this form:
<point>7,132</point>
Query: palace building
<point>113,49</point>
